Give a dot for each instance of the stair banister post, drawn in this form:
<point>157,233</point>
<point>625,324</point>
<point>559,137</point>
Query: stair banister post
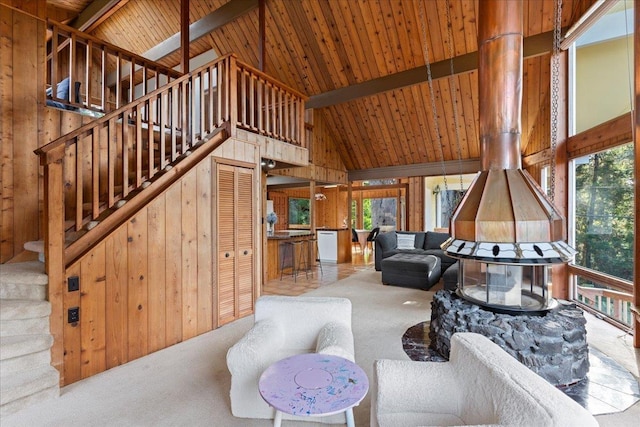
<point>233,96</point>
<point>54,248</point>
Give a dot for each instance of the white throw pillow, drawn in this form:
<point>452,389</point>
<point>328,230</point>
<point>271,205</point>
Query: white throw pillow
<point>406,241</point>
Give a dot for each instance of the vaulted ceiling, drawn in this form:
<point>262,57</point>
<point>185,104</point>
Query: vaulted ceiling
<point>362,63</point>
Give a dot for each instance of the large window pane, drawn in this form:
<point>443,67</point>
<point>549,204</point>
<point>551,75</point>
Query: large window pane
<point>604,211</point>
<point>604,68</point>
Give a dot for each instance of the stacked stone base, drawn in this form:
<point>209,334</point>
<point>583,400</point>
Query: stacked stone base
<point>553,345</point>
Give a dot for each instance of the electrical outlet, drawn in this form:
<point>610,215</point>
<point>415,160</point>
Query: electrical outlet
<point>73,315</point>
<point>73,284</point>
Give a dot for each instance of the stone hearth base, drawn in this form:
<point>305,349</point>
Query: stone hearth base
<point>554,345</point>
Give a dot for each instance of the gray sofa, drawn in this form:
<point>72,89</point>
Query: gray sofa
<point>425,243</point>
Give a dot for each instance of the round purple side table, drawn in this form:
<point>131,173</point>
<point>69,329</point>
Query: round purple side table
<point>313,385</point>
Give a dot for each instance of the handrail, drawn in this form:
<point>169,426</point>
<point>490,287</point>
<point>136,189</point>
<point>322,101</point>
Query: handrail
<point>103,80</point>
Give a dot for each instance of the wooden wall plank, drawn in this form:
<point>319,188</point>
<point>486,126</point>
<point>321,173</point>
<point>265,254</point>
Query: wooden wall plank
<point>156,226</point>
<point>205,252</point>
<point>26,116</point>
<point>173,317</point>
<point>189,238</point>
<point>72,333</point>
<point>6,134</point>
<point>137,255</point>
<point>92,314</point>
<point>116,298</point>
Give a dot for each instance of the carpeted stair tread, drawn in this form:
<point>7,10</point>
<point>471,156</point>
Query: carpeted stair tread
<point>19,345</point>
<point>26,362</point>
<point>30,272</point>
<point>18,385</point>
<point>11,309</point>
<point>18,404</point>
<point>23,281</point>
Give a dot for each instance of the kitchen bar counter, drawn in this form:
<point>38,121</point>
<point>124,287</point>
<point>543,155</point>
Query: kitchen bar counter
<point>273,248</point>
<point>289,234</point>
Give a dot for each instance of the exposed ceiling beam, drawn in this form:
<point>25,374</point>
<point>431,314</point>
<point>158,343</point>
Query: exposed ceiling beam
<point>532,46</point>
<point>453,167</point>
<point>216,19</point>
<point>96,12</point>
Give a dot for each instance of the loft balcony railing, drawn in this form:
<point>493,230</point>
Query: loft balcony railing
<point>84,72</point>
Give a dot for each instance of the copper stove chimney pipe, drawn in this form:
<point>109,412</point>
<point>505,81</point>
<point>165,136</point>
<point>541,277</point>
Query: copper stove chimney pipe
<point>504,205</point>
<point>500,83</point>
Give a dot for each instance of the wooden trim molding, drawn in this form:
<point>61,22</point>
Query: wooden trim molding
<point>532,46</point>
<point>452,167</point>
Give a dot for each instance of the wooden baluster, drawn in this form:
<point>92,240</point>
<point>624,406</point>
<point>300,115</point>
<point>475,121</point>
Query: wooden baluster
<point>280,113</point>
<point>220,94</point>
<point>72,54</point>
<point>184,116</point>
<point>126,138</point>
<point>54,63</point>
<point>132,80</point>
<point>88,67</point>
<point>232,96</point>
<point>150,137</point>
<point>103,89</point>
<point>138,145</point>
<point>95,172</point>
<point>210,115</point>
<point>287,115</point>
<point>202,106</point>
<point>118,80</point>
<point>162,111</point>
<point>112,148</point>
<point>260,103</point>
<point>243,97</point>
<point>79,183</point>
<point>174,120</point>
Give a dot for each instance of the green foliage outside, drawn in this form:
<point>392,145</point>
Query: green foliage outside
<point>604,212</point>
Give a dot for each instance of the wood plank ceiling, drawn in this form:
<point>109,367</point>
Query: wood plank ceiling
<point>318,46</point>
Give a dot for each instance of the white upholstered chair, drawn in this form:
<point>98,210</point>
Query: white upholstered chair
<point>285,326</point>
<point>480,385</point>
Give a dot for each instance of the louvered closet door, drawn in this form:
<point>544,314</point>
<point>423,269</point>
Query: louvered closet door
<point>235,230</point>
<point>245,238</point>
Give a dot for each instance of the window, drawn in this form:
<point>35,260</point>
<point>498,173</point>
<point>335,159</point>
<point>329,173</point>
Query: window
<point>601,198</point>
<point>603,211</point>
<point>299,212</point>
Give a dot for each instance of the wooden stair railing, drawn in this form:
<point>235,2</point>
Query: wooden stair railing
<point>102,71</point>
<point>113,156</point>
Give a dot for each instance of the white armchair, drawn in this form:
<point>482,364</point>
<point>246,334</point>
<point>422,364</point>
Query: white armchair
<point>480,385</point>
<point>285,326</point>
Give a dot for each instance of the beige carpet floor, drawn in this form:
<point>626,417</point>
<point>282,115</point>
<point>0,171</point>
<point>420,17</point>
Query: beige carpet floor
<point>188,384</point>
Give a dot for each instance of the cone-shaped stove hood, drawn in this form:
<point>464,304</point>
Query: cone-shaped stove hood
<point>504,216</point>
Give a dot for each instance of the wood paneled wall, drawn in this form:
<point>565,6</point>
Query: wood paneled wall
<point>145,287</point>
<point>21,104</point>
<point>325,163</point>
<point>150,284</point>
<point>415,204</point>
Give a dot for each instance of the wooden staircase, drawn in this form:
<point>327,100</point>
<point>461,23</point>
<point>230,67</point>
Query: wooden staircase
<point>26,374</point>
<point>101,174</point>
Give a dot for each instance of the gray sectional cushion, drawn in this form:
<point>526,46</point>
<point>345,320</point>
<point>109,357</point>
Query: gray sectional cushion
<point>434,240</point>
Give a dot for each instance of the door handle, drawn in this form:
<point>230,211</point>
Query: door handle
<point>226,255</point>
<point>246,252</point>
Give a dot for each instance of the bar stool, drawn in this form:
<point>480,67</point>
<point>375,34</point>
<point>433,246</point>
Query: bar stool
<point>313,254</point>
<point>288,259</point>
